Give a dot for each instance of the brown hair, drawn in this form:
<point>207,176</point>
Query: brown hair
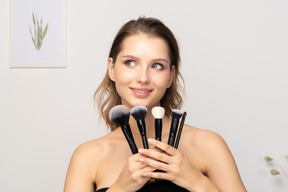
<point>106,95</point>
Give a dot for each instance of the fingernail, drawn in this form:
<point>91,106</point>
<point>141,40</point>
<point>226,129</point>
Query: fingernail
<point>141,150</point>
<point>150,140</point>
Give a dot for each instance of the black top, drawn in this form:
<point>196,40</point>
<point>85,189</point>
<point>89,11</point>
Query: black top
<point>159,186</point>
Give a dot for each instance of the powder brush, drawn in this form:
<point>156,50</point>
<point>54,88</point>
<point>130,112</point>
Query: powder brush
<point>120,115</point>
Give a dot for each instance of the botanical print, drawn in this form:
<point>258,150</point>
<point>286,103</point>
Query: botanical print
<point>39,32</point>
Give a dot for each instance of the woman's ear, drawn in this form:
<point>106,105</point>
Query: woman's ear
<point>110,67</point>
<point>172,73</point>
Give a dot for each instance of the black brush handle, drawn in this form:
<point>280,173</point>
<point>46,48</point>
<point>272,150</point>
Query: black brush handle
<point>158,129</point>
<point>142,129</point>
<point>129,137</point>
<point>173,130</point>
<point>180,130</point>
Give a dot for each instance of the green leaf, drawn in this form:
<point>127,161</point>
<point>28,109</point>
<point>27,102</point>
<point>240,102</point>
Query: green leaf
<point>33,17</point>
<point>30,31</point>
<point>34,42</point>
<point>39,37</point>
<point>45,30</point>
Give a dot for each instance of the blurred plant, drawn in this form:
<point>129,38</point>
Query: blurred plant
<point>39,32</point>
<point>275,171</point>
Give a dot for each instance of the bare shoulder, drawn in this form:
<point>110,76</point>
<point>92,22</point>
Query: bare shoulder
<point>85,162</point>
<point>211,154</point>
<point>201,138</point>
<point>91,147</point>
<point>206,147</point>
<point>88,151</point>
<point>97,149</point>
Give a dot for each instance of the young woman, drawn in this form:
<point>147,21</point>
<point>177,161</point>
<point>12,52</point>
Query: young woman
<point>143,70</point>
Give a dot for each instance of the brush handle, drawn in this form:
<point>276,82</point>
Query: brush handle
<point>129,137</point>
<point>180,131</point>
<point>173,130</point>
<point>158,129</point>
<point>142,129</point>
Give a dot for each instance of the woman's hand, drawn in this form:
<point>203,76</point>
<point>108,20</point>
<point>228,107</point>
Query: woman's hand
<point>177,168</point>
<point>132,176</point>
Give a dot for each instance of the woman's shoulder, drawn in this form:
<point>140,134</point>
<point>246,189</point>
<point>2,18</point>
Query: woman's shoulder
<point>90,154</point>
<point>202,142</point>
<point>98,147</point>
<point>87,159</point>
<point>201,137</point>
<point>204,145</point>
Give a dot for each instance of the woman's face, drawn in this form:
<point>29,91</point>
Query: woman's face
<point>142,71</point>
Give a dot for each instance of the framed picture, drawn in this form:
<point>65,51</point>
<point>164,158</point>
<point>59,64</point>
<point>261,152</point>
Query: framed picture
<point>38,33</point>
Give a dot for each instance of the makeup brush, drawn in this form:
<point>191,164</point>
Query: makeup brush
<point>120,115</point>
<point>139,114</point>
<point>158,113</point>
<point>176,115</point>
<point>180,130</point>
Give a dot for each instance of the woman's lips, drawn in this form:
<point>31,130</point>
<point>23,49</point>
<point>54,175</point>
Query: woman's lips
<point>140,92</point>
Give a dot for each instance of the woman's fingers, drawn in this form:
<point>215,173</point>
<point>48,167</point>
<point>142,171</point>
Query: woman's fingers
<point>132,176</point>
<point>165,158</point>
<point>163,146</point>
<point>156,164</point>
<point>163,152</point>
<point>134,163</point>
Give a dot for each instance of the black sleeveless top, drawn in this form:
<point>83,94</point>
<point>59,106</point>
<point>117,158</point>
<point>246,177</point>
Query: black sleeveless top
<point>159,186</point>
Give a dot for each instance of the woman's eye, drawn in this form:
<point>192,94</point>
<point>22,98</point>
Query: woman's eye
<point>130,63</point>
<point>157,66</point>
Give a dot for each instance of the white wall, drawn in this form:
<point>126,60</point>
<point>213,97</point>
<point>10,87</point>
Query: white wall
<point>234,56</point>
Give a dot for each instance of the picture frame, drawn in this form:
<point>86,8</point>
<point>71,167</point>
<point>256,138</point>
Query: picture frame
<point>38,34</point>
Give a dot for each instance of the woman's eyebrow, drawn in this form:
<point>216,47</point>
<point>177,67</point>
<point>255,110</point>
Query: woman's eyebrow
<point>161,59</point>
<point>136,58</point>
<point>129,56</point>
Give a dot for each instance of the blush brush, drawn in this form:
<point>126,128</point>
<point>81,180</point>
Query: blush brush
<point>120,115</point>
<point>139,114</point>
<point>158,113</point>
<point>176,115</point>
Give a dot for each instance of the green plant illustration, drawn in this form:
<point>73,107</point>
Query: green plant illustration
<point>39,32</point>
<point>275,171</point>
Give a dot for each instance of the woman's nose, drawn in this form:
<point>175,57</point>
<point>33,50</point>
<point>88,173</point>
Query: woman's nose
<point>143,75</point>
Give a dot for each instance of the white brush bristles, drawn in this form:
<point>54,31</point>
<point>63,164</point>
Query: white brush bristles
<point>158,112</point>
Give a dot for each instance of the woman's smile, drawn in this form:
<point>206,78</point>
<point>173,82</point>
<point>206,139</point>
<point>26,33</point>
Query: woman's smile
<point>141,92</point>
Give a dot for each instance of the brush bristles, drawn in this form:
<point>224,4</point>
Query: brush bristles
<point>139,112</point>
<point>158,112</point>
<point>119,114</point>
<point>176,113</point>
